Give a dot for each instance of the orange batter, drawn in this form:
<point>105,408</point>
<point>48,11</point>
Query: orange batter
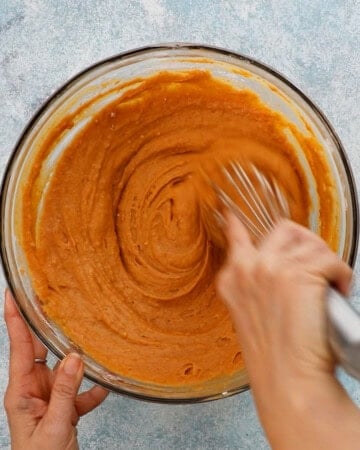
<point>121,257</point>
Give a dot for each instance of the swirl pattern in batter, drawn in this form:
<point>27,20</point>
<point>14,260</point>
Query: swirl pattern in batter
<point>121,255</point>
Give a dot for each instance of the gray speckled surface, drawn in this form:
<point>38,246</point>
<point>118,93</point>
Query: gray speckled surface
<point>316,43</point>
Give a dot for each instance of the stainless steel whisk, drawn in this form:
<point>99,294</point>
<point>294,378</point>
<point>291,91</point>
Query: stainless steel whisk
<point>265,211</point>
<point>266,204</point>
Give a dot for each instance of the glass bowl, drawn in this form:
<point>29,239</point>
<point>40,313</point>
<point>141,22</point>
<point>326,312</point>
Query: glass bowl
<point>239,70</point>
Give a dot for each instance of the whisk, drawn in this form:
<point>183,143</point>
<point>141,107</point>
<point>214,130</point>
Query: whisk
<point>266,205</point>
<point>260,207</point>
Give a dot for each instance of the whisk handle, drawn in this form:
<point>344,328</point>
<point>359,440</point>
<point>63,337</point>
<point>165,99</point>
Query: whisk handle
<point>344,332</point>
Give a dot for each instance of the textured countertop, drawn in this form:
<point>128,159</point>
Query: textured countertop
<point>315,43</point>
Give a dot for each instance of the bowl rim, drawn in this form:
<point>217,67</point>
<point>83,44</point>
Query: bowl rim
<point>167,46</point>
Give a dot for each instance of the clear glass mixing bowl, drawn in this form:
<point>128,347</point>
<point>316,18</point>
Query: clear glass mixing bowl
<point>242,72</point>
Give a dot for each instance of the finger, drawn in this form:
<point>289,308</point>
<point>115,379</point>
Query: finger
<point>336,272</point>
<point>236,232</point>
<point>40,351</point>
<point>64,391</point>
<point>89,400</point>
<point>241,256</point>
<point>21,344</point>
<point>226,285</point>
<point>286,235</point>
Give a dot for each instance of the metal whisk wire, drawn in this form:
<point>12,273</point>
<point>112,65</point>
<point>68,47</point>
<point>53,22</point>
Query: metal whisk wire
<point>266,203</point>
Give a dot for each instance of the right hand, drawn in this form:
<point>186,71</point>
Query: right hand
<point>275,293</point>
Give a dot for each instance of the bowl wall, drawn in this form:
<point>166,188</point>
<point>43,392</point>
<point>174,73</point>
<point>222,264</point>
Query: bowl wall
<point>99,81</point>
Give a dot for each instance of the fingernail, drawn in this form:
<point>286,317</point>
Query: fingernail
<point>72,364</point>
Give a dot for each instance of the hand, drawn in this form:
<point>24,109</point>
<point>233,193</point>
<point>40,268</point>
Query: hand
<point>42,405</point>
<point>275,293</point>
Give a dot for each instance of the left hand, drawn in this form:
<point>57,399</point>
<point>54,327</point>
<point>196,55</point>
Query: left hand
<point>43,405</point>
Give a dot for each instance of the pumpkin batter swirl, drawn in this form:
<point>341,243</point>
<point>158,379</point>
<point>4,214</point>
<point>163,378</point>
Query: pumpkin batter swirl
<point>164,247</point>
<point>121,252</point>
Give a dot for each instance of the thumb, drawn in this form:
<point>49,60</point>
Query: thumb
<point>65,388</point>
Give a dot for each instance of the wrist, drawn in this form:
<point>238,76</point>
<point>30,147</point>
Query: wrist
<point>305,413</point>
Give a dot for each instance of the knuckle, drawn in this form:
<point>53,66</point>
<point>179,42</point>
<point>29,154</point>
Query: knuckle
<point>270,274</point>
<point>286,225</point>
<point>8,403</point>
<point>290,228</point>
<point>294,232</point>
<point>320,246</point>
<point>17,406</point>
<point>63,390</point>
<point>266,269</point>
